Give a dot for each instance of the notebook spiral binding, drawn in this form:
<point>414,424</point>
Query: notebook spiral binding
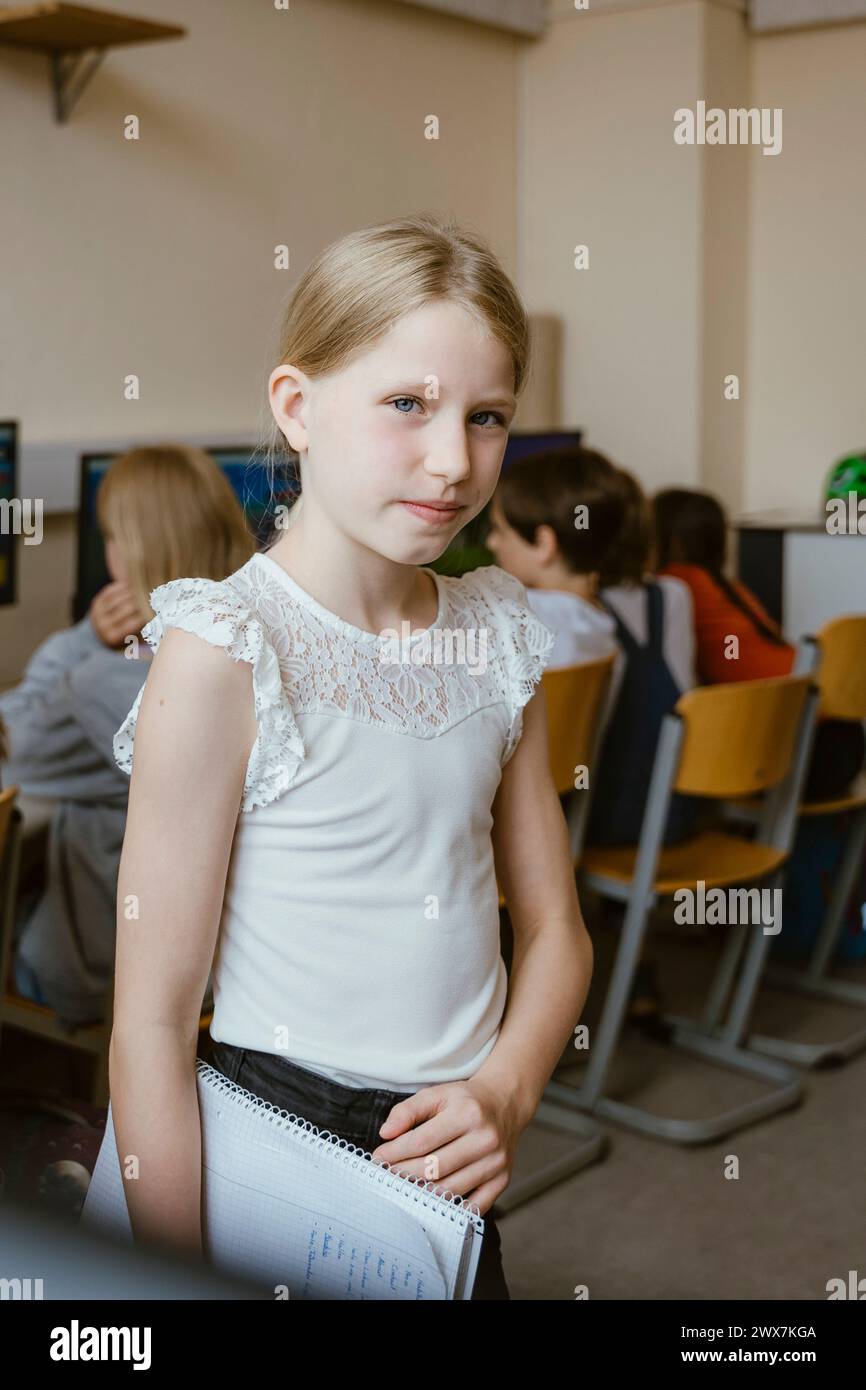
<point>447,1202</point>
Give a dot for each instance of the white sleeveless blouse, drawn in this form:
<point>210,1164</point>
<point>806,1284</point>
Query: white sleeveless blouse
<point>359,935</point>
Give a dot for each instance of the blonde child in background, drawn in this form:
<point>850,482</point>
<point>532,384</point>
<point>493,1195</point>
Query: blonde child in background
<point>552,520</point>
<point>307,794</point>
<point>162,511</point>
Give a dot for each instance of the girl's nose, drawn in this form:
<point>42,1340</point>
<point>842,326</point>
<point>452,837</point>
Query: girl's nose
<point>451,460</point>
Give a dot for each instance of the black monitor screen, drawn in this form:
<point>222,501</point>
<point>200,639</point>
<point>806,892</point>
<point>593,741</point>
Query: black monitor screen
<point>8,494</point>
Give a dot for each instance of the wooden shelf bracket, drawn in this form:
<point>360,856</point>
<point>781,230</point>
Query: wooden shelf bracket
<point>75,39</point>
<point>70,74</point>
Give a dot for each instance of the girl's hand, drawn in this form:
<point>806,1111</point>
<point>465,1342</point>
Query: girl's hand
<point>461,1136</point>
<point>115,615</point>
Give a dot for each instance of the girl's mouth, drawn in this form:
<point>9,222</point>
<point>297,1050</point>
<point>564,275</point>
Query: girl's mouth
<point>441,515</point>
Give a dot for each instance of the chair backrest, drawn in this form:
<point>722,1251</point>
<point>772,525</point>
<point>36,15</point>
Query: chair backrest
<point>739,739</point>
<point>575,698</point>
<point>841,674</point>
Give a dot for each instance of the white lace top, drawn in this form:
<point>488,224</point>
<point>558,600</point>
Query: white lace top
<point>359,935</point>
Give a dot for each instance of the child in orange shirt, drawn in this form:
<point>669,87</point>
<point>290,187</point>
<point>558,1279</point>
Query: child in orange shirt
<point>691,539</point>
<point>691,543</point>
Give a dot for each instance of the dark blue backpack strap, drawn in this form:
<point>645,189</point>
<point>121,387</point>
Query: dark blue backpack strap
<point>655,616</point>
<point>624,636</point>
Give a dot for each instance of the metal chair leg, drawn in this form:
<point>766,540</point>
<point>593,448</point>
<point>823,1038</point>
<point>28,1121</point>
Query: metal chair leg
<point>813,981</point>
<point>724,977</point>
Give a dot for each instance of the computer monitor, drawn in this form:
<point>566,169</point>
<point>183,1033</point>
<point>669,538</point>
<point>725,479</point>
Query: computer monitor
<point>521,445</point>
<point>8,492</point>
<point>249,481</point>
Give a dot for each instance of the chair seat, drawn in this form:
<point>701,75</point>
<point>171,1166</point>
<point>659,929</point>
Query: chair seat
<point>715,858</point>
<point>853,800</point>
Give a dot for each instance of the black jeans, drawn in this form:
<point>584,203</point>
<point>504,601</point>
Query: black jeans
<point>354,1114</point>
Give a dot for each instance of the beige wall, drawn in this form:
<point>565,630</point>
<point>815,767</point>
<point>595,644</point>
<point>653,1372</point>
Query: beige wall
<point>726,173</point>
<point>156,257</point>
<point>807,274</point>
<point>260,127</point>
<point>598,166</point>
<point>704,261</point>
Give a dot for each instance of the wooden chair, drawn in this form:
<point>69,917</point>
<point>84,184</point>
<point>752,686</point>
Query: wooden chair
<point>24,1014</point>
<point>721,742</point>
<point>839,661</point>
<point>576,699</point>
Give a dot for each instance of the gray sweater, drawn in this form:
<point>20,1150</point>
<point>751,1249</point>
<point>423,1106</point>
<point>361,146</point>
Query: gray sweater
<point>61,720</point>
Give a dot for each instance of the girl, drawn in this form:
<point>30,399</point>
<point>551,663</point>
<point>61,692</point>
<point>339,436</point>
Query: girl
<point>162,511</point>
<point>333,817</point>
<point>535,535</point>
<point>691,540</point>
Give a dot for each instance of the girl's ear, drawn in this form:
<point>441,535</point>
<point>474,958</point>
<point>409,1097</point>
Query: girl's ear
<point>287,393</point>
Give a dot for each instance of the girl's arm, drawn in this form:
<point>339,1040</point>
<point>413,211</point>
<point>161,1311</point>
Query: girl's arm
<point>552,960</point>
<point>464,1134</point>
<point>195,729</point>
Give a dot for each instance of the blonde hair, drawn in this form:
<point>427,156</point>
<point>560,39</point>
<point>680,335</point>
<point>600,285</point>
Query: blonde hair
<point>360,285</point>
<point>173,513</point>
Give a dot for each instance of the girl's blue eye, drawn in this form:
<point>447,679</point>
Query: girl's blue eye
<point>497,418</point>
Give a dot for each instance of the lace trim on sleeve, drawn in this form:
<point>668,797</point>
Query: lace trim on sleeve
<point>526,643</point>
<point>209,609</point>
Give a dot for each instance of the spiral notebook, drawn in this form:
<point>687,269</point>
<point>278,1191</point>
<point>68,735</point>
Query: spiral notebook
<point>288,1205</point>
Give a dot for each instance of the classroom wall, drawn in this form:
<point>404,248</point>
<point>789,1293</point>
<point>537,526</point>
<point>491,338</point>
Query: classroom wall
<point>260,127</point>
<point>598,167</point>
<point>727,174</point>
<point>703,262</point>
<point>807,282</point>
<point>155,256</point>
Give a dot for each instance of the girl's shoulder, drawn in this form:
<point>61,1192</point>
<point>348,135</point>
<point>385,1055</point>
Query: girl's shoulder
<point>521,643</point>
<point>229,613</point>
<point>211,608</point>
<point>491,596</point>
<point>495,590</point>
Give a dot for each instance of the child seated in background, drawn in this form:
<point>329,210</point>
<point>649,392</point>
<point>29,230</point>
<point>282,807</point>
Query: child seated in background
<point>539,533</point>
<point>691,544</point>
<point>653,619</point>
<point>654,628</point>
<point>163,511</point>
<point>649,623</point>
<point>691,541</point>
